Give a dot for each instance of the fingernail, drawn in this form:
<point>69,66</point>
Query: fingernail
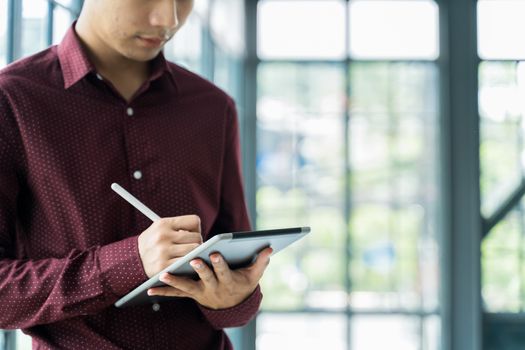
<point>196,264</point>
<point>215,258</point>
<point>150,292</point>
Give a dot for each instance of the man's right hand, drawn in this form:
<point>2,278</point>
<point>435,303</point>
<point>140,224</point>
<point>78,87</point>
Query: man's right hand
<point>168,239</point>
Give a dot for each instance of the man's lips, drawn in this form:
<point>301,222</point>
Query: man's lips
<point>151,41</point>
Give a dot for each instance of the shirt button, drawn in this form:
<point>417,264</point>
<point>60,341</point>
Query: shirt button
<point>130,111</point>
<point>137,175</point>
<point>99,77</point>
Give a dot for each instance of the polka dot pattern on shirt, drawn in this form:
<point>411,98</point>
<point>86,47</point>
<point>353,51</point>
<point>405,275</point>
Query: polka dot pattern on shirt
<point>68,244</point>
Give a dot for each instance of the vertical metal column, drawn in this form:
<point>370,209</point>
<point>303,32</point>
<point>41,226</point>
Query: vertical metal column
<point>49,24</point>
<point>208,53</point>
<point>249,137</point>
<point>10,340</point>
<point>348,180</point>
<point>460,210</point>
<point>77,7</point>
<point>250,105</point>
<point>14,30</point>
<point>14,34</point>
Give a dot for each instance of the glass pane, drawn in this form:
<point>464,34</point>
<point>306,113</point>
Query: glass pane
<point>431,337</point>
<point>301,29</point>
<point>500,29</point>
<point>66,3</point>
<point>34,26</point>
<point>201,8</point>
<point>502,150</point>
<point>23,341</point>
<point>394,117</point>
<point>394,29</point>
<point>185,48</point>
<point>301,331</point>
<point>62,20</point>
<point>221,73</point>
<point>303,88</point>
<point>227,74</point>
<point>227,25</point>
<point>3,33</point>
<point>387,332</point>
<point>300,181</point>
<point>503,259</point>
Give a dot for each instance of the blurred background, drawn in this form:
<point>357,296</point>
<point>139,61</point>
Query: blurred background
<point>395,129</point>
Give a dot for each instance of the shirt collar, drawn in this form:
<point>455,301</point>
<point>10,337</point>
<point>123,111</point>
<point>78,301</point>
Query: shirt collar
<point>76,64</point>
<point>159,67</point>
<point>73,59</point>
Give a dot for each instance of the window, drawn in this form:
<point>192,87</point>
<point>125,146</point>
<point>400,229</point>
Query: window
<point>66,3</point>
<point>393,30</point>
<point>301,30</point>
<point>501,87</point>
<point>503,262</point>
<point>397,332</point>
<point>227,25</point>
<point>201,8</point>
<point>3,33</point>
<point>62,19</point>
<point>500,29</point>
<point>34,26</point>
<point>300,108</point>
<point>186,47</point>
<point>309,331</point>
<point>393,155</point>
<point>348,144</point>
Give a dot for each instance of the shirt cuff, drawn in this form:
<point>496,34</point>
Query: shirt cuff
<point>121,266</point>
<point>236,316</point>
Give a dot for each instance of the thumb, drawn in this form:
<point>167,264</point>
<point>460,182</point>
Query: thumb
<point>262,261</point>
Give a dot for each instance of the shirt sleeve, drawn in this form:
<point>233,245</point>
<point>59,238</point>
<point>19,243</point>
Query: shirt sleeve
<point>236,316</point>
<point>233,216</point>
<point>43,291</point>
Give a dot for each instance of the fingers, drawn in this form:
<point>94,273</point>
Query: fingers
<point>179,229</point>
<point>178,250</point>
<point>190,223</point>
<point>182,284</point>
<point>167,292</point>
<point>205,273</point>
<point>218,287</point>
<point>182,236</point>
<point>260,264</point>
<point>166,239</point>
<point>221,268</point>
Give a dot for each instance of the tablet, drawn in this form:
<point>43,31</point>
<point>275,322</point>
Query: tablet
<point>239,249</point>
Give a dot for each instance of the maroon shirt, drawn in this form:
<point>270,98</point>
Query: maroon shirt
<point>68,243</point>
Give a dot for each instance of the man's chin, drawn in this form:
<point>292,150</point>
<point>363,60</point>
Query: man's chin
<point>143,56</point>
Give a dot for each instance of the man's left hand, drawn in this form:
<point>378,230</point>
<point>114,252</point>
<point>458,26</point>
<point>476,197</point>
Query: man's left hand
<point>218,288</point>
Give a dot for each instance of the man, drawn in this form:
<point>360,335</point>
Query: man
<point>104,106</point>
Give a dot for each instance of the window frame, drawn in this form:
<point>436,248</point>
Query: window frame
<point>347,62</point>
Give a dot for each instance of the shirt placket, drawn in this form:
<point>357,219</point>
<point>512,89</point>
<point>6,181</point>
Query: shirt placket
<point>135,148</point>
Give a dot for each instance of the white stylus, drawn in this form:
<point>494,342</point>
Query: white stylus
<point>134,202</point>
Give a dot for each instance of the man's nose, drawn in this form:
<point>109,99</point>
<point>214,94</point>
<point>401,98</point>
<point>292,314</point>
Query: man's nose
<point>164,14</point>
